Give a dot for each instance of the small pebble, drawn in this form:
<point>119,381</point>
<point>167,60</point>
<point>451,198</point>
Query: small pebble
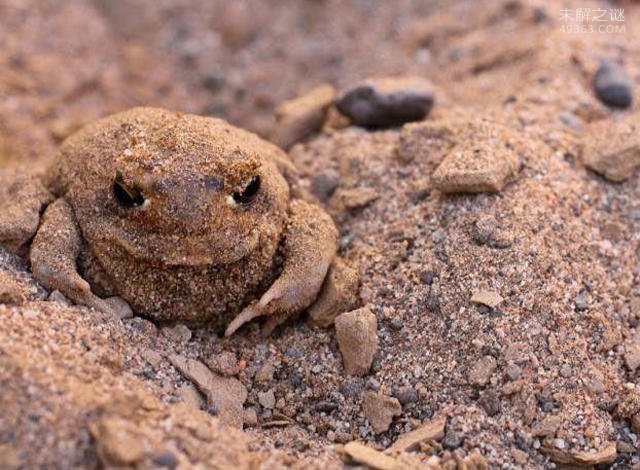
<point>326,406</point>
<point>566,371</point>
<point>490,402</point>
<point>426,277</point>
<point>452,440</point>
<point>250,417</point>
<point>324,184</point>
<point>373,384</point>
<point>559,443</point>
<point>612,85</point>
<point>225,364</point>
<point>267,399</point>
<point>387,102</point>
<point>166,459</point>
<point>265,373</point>
<point>580,302</point>
<point>179,333</point>
<point>380,410</point>
<point>57,296</point>
<point>513,371</point>
<point>397,324</point>
<point>352,387</point>
<point>570,120</point>
<point>406,395</point>
<point>482,370</point>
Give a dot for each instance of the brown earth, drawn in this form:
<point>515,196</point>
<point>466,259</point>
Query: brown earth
<point>548,372</point>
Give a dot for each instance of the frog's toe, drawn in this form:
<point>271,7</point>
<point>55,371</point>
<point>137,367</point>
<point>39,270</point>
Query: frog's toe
<point>246,315</point>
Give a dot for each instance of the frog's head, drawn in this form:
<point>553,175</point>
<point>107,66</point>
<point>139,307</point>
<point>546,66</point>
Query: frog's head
<point>182,190</point>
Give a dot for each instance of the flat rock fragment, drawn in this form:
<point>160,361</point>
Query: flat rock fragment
<point>605,455</point>
<point>357,336</point>
<point>300,117</point>
<point>387,102</point>
<point>339,294</point>
<point>348,199</point>
<point>482,370</point>
<point>474,172</point>
<point>426,141</point>
<point>613,150</point>
<point>483,161</point>
<point>431,431</point>
<point>380,410</point>
<point>489,298</point>
<point>548,426</point>
<point>365,455</point>
<point>226,394</point>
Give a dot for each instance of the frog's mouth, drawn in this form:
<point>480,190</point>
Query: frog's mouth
<point>188,250</point>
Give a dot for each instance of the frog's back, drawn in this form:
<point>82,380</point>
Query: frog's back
<point>175,138</point>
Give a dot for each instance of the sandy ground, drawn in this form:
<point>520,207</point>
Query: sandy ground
<point>548,372</point>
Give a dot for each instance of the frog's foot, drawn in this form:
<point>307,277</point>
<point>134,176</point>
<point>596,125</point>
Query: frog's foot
<point>54,252</point>
<point>22,198</point>
<point>310,245</point>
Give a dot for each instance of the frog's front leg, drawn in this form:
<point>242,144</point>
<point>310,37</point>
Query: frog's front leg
<point>54,252</point>
<point>22,198</point>
<point>310,245</point>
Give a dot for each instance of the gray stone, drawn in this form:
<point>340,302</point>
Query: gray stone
<point>612,85</point>
<point>267,399</point>
<point>482,370</point>
<point>514,371</point>
<point>324,184</point>
<point>406,395</point>
<point>387,102</point>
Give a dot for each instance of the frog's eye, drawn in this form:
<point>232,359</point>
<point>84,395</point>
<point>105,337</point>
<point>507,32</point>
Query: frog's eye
<point>126,196</point>
<point>249,192</point>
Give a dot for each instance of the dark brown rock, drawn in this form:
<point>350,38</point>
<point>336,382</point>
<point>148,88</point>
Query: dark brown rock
<point>612,85</point>
<point>387,102</point>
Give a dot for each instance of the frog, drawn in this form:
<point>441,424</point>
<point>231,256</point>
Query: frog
<point>176,217</point>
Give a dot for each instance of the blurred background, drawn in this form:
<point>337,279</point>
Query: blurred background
<point>63,64</point>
